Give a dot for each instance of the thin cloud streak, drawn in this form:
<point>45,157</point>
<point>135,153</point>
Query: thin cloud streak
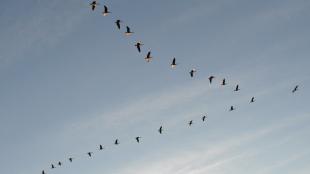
<point>211,158</point>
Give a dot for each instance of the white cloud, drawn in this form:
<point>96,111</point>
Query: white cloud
<point>209,160</point>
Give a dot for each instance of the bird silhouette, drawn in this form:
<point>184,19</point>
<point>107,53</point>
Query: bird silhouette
<point>160,130</point>
<point>204,118</point>
<point>138,45</point>
<point>138,139</point>
<point>211,78</point>
<point>231,108</point>
<point>252,100</point>
<point>148,57</point>
<point>224,82</point>
<point>116,142</point>
<point>128,32</point>
<point>192,72</point>
<point>106,11</point>
<point>93,5</point>
<point>295,89</point>
<point>52,166</point>
<point>190,122</point>
<point>118,23</point>
<point>173,64</point>
<point>43,172</point>
<point>59,163</point>
<point>70,159</point>
<point>237,88</point>
<point>89,154</point>
<point>100,147</point>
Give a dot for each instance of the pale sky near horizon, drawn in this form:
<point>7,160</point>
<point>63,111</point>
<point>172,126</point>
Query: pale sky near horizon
<point>70,80</point>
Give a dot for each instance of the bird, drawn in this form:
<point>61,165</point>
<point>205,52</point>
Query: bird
<point>224,82</point>
<point>192,72</point>
<point>118,23</point>
<point>295,89</point>
<point>52,166</point>
<point>105,11</point>
<point>252,100</point>
<point>59,163</point>
<point>70,159</point>
<point>89,154</point>
<point>190,122</point>
<point>237,88</point>
<point>138,45</point>
<point>160,130</point>
<point>93,5</point>
<point>231,108</point>
<point>148,57</point>
<point>43,172</point>
<point>138,139</point>
<point>116,142</point>
<point>211,78</point>
<point>204,118</point>
<point>100,147</point>
<point>173,64</point>
<point>128,32</point>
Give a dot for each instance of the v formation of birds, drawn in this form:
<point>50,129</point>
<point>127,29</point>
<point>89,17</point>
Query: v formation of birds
<point>148,58</point>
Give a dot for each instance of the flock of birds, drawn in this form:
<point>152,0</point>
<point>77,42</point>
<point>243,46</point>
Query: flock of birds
<point>148,58</point>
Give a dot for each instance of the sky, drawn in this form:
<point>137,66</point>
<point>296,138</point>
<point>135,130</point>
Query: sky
<point>70,80</point>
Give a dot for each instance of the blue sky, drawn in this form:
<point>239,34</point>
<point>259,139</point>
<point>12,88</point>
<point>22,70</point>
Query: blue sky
<point>70,81</point>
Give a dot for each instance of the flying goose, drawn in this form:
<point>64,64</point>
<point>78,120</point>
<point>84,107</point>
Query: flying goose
<point>93,5</point>
<point>237,88</point>
<point>148,57</point>
<point>192,72</point>
<point>128,32</point>
<point>118,23</point>
<point>295,89</point>
<point>138,139</point>
<point>231,108</point>
<point>224,82</point>
<point>173,64</point>
<point>138,45</point>
<point>106,11</point>
<point>160,130</point>
<point>211,78</point>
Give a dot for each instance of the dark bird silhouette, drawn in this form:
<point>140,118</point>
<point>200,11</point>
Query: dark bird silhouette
<point>192,72</point>
<point>93,5</point>
<point>138,139</point>
<point>160,130</point>
<point>231,108</point>
<point>89,154</point>
<point>138,45</point>
<point>52,166</point>
<point>128,32</point>
<point>116,142</point>
<point>237,88</point>
<point>295,89</point>
<point>173,64</point>
<point>148,57</point>
<point>100,147</point>
<point>252,100</point>
<point>70,159</point>
<point>211,78</point>
<point>190,122</point>
<point>106,11</point>
<point>118,23</point>
<point>204,118</point>
<point>224,82</point>
<point>43,172</point>
<point>59,163</point>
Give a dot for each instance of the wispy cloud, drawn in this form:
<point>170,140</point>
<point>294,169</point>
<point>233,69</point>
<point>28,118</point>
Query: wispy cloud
<point>45,25</point>
<point>213,158</point>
